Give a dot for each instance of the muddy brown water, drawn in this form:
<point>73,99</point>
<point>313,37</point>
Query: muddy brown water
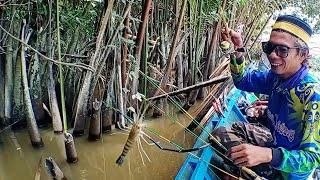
<point>18,160</point>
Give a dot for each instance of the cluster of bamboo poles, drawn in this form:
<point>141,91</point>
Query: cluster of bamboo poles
<point>50,74</point>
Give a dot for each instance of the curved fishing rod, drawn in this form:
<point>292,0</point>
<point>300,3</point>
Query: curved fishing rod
<point>183,150</point>
<point>245,169</point>
<point>180,148</point>
<point>221,154</point>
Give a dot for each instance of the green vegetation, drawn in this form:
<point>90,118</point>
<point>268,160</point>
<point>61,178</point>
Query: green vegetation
<point>108,49</point>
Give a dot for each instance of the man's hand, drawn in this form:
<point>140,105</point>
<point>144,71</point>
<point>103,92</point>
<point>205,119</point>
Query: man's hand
<point>234,38</point>
<point>249,155</point>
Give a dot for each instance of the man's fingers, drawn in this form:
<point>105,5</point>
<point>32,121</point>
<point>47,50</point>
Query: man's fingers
<point>241,161</point>
<point>224,37</point>
<point>237,155</point>
<point>237,148</point>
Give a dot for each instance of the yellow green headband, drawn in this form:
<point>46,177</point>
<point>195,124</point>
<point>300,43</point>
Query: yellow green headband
<point>294,26</point>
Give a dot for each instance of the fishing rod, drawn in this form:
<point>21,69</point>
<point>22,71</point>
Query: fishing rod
<point>216,80</point>
<point>221,152</point>
<point>213,139</point>
<point>182,150</point>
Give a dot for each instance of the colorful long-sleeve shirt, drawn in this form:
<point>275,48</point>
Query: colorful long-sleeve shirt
<point>293,115</point>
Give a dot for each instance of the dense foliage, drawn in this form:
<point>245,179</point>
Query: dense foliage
<point>112,51</point>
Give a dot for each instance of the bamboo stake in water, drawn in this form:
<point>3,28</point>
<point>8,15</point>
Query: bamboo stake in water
<point>69,143</point>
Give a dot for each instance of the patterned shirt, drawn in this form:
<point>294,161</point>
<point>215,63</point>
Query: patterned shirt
<point>293,114</point>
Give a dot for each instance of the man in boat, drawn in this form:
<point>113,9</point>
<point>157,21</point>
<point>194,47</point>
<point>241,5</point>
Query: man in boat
<point>290,143</point>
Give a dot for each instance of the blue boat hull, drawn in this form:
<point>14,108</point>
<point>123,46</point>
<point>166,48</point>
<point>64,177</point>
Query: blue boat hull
<point>197,166</point>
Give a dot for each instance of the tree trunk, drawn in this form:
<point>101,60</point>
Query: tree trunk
<point>171,58</point>
<point>95,122</point>
<point>72,156</point>
<point>53,101</point>
<point>82,102</point>
<point>54,170</point>
<point>18,112</point>
<point>179,70</point>
<point>2,121</point>
<point>119,93</point>
<point>35,90</point>
<point>35,137</point>
<point>8,76</point>
<point>107,118</point>
<point>124,48</point>
<point>139,42</point>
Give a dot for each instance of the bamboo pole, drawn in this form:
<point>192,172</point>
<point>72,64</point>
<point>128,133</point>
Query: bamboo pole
<point>36,91</point>
<point>119,91</point>
<point>8,74</point>
<point>2,121</point>
<point>53,102</point>
<point>199,117</point>
<point>82,102</point>
<point>213,42</point>
<point>171,57</point>
<point>107,112</point>
<point>138,45</point>
<point>95,128</point>
<point>106,52</point>
<point>197,86</point>
<point>54,170</point>
<point>18,112</point>
<point>63,104</point>
<point>260,32</point>
<point>124,46</point>
<point>70,148</point>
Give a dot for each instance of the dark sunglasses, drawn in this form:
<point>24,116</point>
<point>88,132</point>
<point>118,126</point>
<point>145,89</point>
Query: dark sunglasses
<point>280,50</point>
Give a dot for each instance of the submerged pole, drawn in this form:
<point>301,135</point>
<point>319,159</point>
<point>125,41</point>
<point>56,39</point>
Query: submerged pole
<point>71,152</point>
<point>95,123</point>
<point>54,170</point>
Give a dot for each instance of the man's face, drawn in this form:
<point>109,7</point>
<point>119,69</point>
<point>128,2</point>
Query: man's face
<point>281,65</point>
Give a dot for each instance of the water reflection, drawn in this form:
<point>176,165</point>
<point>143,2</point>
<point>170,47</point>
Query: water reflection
<point>18,160</point>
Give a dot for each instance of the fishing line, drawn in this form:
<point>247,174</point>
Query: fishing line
<point>178,146</point>
<point>249,171</point>
<point>195,135</point>
<point>183,110</point>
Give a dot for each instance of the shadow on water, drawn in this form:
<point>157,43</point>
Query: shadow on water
<point>18,160</point>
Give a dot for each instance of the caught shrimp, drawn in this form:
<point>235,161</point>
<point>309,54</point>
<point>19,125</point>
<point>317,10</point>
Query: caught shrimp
<point>132,138</point>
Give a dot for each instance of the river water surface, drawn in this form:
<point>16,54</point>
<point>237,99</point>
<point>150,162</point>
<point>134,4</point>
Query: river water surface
<point>18,160</point>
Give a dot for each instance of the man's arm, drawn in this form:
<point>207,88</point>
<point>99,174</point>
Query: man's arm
<point>307,157</point>
<point>258,82</point>
<point>255,81</point>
